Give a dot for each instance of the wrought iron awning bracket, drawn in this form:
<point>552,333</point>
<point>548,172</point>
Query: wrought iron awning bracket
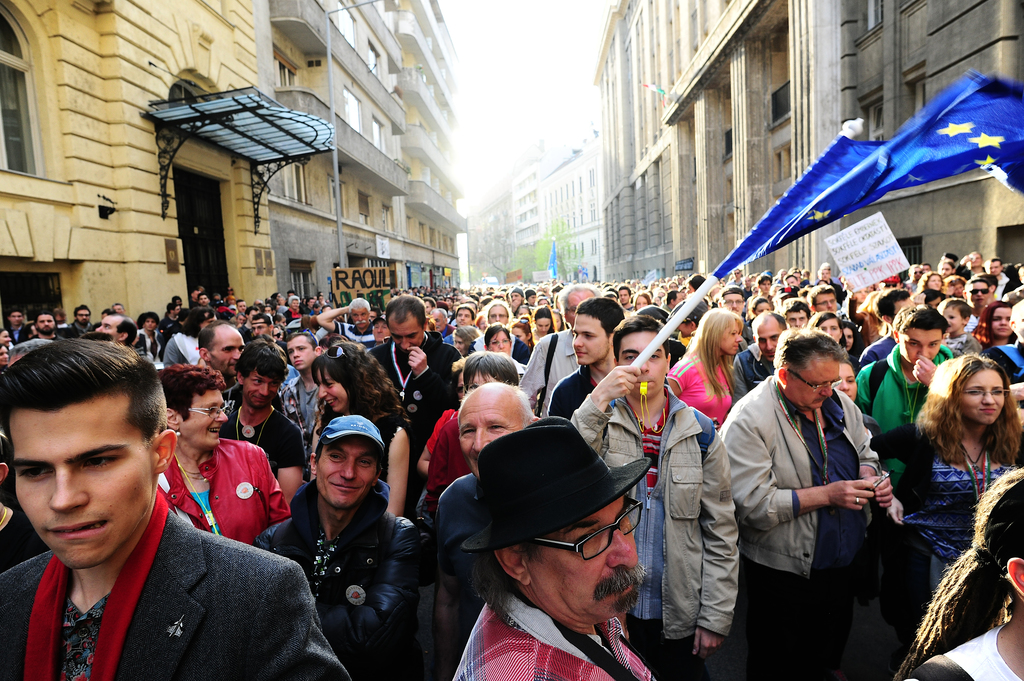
<point>260,177</point>
<point>169,139</point>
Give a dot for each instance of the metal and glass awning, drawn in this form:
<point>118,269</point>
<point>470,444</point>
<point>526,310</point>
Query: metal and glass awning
<point>246,123</point>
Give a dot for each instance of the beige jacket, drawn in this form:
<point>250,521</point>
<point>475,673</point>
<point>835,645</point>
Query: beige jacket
<point>768,462</point>
<point>701,559</point>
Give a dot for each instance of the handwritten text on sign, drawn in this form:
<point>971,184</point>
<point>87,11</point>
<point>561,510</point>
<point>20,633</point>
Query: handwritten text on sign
<point>370,283</point>
<point>867,252</point>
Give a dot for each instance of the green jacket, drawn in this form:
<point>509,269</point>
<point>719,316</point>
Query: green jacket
<point>896,403</point>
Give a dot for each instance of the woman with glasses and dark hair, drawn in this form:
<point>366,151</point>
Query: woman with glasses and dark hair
<point>354,383</point>
<point>498,339</point>
<point>183,347</point>
<point>967,435</point>
<point>974,627</point>
<point>219,485</point>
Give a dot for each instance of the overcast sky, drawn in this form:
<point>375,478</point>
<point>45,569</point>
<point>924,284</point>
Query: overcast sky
<point>526,72</point>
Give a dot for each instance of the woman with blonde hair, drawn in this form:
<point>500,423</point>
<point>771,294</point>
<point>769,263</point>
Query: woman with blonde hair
<point>967,435</point>
<point>975,623</point>
<point>703,378</point>
<point>932,280</point>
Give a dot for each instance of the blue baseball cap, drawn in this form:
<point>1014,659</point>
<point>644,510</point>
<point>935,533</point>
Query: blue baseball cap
<point>343,426</point>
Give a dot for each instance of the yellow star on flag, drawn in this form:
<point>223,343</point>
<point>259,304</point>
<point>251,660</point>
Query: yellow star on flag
<point>954,129</point>
<point>988,161</point>
<point>815,215</point>
<point>987,141</point>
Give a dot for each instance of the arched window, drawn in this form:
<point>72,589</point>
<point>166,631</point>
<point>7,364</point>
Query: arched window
<point>16,152</point>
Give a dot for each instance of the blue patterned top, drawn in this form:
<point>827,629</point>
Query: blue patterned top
<point>80,632</point>
<point>946,518</point>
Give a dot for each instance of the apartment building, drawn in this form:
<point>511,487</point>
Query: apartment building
<point>394,86</point>
<point>755,91</point>
<point>572,193</point>
<point>114,187</point>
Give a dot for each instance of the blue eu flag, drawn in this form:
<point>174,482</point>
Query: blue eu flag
<point>977,122</point>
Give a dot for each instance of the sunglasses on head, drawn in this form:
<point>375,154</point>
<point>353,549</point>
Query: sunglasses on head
<point>335,351</point>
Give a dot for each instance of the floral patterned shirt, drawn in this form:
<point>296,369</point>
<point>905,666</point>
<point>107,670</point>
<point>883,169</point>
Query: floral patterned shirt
<point>80,633</point>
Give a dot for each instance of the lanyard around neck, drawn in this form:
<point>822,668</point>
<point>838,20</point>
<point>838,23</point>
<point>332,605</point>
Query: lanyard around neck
<point>796,428</point>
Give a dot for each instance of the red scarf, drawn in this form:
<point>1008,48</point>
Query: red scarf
<point>43,654</point>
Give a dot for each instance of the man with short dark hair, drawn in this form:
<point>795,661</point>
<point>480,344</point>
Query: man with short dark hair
<point>626,298</point>
<point>46,325</point>
<point>889,305</point>
<point>362,563</point>
<point>169,325</point>
<point>262,325</point>
<point>261,369</point>
<point>419,365</point>
<point>131,589</point>
<point>802,474</point>
<point>979,294</point>
<point>16,325</point>
<point>556,567</point>
<point>756,364</point>
<point>122,329</point>
<point>220,346</point>
<point>796,313</point>
<point>687,545</point>
<point>893,390</point>
<point>596,319</point>
<point>1004,284</point>
<point>82,322</point>
<point>299,394</point>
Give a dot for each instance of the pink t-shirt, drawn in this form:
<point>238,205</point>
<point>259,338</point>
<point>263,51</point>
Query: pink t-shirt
<point>695,393</point>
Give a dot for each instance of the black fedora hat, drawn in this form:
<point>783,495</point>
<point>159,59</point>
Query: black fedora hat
<point>543,478</point>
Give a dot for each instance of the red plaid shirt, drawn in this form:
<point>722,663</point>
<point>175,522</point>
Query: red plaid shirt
<point>501,651</point>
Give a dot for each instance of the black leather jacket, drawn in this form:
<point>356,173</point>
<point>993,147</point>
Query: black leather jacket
<point>374,639</point>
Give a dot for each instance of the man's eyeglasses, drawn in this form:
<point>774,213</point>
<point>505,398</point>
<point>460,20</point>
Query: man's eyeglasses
<point>998,394</point>
<point>212,412</point>
<point>596,543</point>
<point>978,291</point>
<point>818,386</point>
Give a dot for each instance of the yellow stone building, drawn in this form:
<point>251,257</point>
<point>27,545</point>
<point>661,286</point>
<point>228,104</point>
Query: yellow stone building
<point>76,80</point>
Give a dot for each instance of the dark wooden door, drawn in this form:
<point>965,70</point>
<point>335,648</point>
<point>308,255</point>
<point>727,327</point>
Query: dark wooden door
<point>201,230</point>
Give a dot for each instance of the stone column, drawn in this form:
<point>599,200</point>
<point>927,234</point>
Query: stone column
<point>815,41</point>
<point>654,238</point>
<point>709,131</point>
<point>751,138</point>
<point>627,235</point>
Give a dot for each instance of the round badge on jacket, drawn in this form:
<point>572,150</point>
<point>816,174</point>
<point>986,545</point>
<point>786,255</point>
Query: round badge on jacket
<point>355,594</point>
<point>244,490</point>
<point>417,395</point>
<point>412,408</point>
<point>248,431</point>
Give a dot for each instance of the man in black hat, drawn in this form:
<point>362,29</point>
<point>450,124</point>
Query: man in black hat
<point>558,560</point>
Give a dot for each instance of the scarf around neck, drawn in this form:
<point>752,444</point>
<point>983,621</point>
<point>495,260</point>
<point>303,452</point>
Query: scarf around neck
<point>43,652</point>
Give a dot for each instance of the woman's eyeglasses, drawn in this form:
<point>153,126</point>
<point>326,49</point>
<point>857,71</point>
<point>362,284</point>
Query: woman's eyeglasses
<point>212,412</point>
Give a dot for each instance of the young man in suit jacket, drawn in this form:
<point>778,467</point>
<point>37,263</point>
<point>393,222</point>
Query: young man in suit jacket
<point>87,421</point>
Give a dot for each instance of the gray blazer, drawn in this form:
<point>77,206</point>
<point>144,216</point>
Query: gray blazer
<point>245,614</point>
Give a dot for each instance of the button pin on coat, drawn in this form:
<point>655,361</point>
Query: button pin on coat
<point>355,594</point>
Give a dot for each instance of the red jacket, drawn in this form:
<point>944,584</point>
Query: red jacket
<point>242,511</point>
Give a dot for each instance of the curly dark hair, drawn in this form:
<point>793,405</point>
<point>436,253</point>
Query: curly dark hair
<point>182,382</point>
<point>370,392</point>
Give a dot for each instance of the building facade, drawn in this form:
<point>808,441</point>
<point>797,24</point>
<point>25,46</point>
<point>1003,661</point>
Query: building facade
<point>755,91</point>
<point>571,194</point>
<point>93,207</point>
<point>394,81</point>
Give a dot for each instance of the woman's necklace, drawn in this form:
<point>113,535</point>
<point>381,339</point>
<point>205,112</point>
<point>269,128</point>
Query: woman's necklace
<point>3,518</point>
<point>205,507</point>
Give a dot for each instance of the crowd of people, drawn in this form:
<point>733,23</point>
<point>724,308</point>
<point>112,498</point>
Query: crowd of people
<point>299,472</point>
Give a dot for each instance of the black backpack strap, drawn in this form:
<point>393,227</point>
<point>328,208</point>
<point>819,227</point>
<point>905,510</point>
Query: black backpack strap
<point>547,373</point>
<point>940,668</point>
<point>875,379</point>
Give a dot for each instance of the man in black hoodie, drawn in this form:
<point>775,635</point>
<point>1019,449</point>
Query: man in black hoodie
<point>419,365</point>
<point>362,562</point>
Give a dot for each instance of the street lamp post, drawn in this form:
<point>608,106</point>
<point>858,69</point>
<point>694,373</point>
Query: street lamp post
<point>342,251</point>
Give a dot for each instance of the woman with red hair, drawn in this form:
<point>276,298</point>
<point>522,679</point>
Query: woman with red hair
<point>221,486</point>
<point>993,327</point>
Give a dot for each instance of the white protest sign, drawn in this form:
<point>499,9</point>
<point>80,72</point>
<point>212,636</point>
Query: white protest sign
<point>867,252</point>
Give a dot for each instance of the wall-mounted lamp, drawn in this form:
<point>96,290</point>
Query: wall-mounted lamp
<point>107,211</point>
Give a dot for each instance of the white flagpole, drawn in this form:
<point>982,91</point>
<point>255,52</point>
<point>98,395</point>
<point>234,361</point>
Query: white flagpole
<point>675,320</point>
